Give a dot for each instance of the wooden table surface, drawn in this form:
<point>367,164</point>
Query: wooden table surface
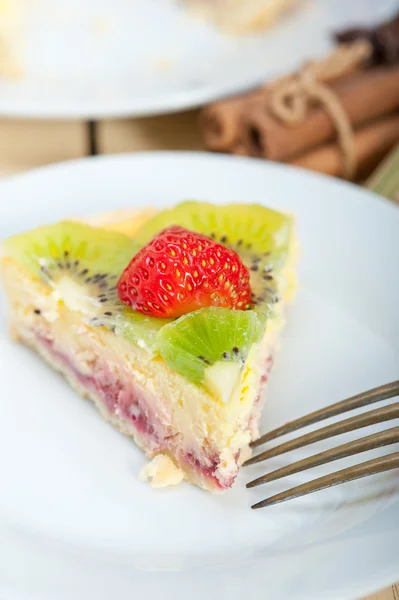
<point>27,144</point>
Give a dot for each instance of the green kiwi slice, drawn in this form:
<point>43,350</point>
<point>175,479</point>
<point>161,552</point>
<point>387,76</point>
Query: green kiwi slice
<point>198,340</point>
<point>83,264</point>
<point>135,327</point>
<point>53,251</point>
<point>251,230</point>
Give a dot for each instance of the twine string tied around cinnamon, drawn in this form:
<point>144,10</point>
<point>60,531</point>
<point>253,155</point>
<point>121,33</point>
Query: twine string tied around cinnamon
<point>289,98</point>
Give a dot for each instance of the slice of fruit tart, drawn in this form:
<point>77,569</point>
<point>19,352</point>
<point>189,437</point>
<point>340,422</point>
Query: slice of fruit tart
<point>168,321</point>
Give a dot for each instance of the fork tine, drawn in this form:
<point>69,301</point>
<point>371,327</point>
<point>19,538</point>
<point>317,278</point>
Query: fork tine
<point>376,440</point>
<point>378,415</point>
<point>377,394</point>
<point>371,467</point>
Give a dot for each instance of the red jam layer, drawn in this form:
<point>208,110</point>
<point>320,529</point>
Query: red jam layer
<point>126,401</point>
<point>117,397</point>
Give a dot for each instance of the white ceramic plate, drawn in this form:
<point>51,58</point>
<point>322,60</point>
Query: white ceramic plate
<point>75,522</point>
<point>109,58</point>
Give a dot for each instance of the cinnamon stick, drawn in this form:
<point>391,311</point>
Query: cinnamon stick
<point>372,143</point>
<point>384,39</point>
<point>247,121</point>
<point>221,122</point>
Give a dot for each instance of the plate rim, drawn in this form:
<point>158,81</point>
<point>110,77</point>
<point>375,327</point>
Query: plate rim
<point>169,104</point>
<point>194,155</point>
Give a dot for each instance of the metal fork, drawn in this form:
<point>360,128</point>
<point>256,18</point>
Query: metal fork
<point>370,442</point>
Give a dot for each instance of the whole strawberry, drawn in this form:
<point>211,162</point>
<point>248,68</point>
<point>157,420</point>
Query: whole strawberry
<point>179,271</point>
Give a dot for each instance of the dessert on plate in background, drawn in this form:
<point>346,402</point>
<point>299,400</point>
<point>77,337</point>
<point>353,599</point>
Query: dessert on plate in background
<point>232,16</point>
<point>240,16</point>
<point>11,26</point>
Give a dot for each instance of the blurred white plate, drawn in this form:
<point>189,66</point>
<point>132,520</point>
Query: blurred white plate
<point>75,522</point>
<point>110,58</point>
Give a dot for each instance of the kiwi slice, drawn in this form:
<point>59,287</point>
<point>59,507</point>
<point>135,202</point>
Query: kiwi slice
<point>83,265</point>
<point>80,262</point>
<point>135,327</point>
<point>50,252</point>
<point>202,338</point>
<point>258,234</point>
<point>251,230</point>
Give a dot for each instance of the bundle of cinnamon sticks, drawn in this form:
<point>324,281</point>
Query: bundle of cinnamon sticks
<point>368,96</point>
